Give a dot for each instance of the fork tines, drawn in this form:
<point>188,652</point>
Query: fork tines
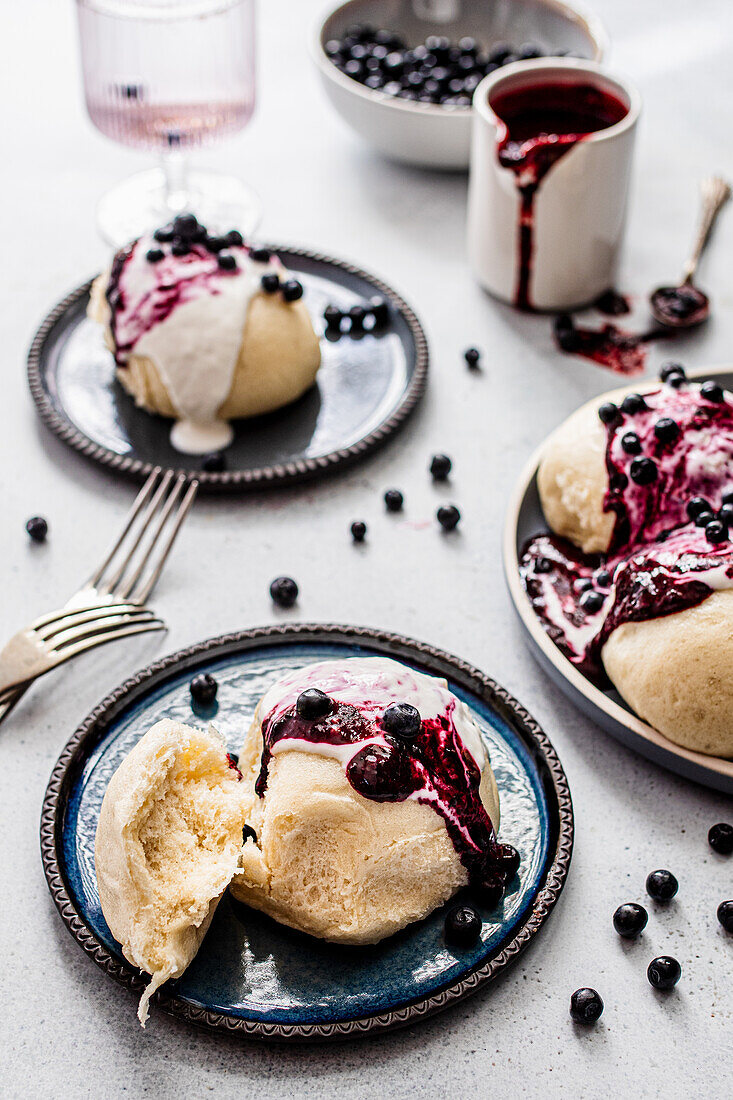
<point>136,560</point>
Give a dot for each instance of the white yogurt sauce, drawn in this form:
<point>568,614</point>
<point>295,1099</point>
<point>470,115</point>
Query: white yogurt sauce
<point>195,346</point>
<point>371,684</point>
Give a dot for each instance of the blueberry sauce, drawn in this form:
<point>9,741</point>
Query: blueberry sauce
<point>680,305</point>
<point>141,296</point>
<point>434,767</point>
<point>541,124</point>
<point>612,303</point>
<point>609,346</point>
<point>666,552</point>
<point>233,763</point>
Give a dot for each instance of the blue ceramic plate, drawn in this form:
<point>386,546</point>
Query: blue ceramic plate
<point>366,388</point>
<point>606,708</point>
<point>252,974</point>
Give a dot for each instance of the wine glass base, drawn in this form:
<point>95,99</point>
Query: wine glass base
<point>140,204</point>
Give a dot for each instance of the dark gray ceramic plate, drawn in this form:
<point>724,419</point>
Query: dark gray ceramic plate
<point>607,709</point>
<point>251,974</point>
<point>366,388</point>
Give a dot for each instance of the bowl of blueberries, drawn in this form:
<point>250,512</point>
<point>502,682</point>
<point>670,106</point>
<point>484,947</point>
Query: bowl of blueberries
<point>402,73</point>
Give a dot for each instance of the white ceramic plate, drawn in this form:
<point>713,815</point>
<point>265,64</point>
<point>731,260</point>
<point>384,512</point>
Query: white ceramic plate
<point>606,708</point>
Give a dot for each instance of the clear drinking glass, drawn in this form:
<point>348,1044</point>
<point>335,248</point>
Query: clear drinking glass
<point>168,76</point>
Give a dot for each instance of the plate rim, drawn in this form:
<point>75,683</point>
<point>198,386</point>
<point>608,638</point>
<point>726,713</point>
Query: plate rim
<point>279,474</point>
<point>86,735</point>
<point>712,771</point>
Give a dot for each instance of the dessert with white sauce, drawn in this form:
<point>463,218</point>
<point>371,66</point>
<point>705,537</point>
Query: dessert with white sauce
<point>205,329</point>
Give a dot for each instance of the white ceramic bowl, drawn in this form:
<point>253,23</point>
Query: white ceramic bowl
<point>427,135</point>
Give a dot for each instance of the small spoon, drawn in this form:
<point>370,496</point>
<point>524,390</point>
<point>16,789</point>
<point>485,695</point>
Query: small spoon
<point>686,305</point>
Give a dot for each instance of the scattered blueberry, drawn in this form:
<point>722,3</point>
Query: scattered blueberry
<point>180,248</point>
<point>591,601</point>
<point>603,578</point>
<point>402,721</point>
<point>440,467</point>
<point>357,316</point>
<point>284,591</point>
<point>509,859</point>
<point>586,1006</point>
<point>394,500</point>
<point>696,505</point>
<point>725,515</point>
<point>720,838</point>
<point>491,890</point>
<point>462,926</point>
<point>260,255</point>
<point>711,391</point>
<point>702,519</point>
<point>725,915</point>
<point>164,234</point>
<point>643,471</point>
<point>186,226</point>
<point>630,919</point>
<point>248,833</point>
<point>379,310</point>
<point>608,412</point>
<point>216,244</point>
<point>632,404</point>
<point>234,238</point>
<point>358,530</point>
<point>566,333</point>
<point>661,885</point>
<point>472,357</point>
<point>270,283</point>
<point>292,290</point>
<point>448,517</point>
<point>631,443</point>
<point>226,261</point>
<point>716,532</point>
<point>214,462</point>
<point>666,430</point>
<point>37,528</point>
<point>333,317</point>
<point>543,565</point>
<point>664,972</point>
<point>154,255</point>
<point>203,689</point>
<point>618,481</point>
<point>670,369</point>
<point>312,704</point>
<point>727,497</point>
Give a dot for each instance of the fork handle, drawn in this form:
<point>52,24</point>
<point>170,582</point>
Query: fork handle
<point>20,661</point>
<point>11,699</point>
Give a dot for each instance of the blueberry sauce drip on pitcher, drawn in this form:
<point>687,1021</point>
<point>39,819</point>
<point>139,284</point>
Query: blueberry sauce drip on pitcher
<point>540,124</point>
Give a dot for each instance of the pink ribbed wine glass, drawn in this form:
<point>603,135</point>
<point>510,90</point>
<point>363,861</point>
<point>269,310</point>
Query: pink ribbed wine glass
<point>168,76</point>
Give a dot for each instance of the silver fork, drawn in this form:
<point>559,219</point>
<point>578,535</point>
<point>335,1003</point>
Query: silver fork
<point>111,604</point>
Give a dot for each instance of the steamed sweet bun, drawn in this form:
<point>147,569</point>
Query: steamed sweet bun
<point>655,611</point>
<point>328,860</point>
<point>205,329</point>
<point>677,673</point>
<point>167,844</point>
<point>572,481</point>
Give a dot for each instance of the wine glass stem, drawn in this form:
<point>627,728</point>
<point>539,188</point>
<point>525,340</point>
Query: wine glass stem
<point>175,170</point>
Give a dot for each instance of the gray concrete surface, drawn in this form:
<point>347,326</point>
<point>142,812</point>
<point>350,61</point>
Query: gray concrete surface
<point>67,1030</point>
